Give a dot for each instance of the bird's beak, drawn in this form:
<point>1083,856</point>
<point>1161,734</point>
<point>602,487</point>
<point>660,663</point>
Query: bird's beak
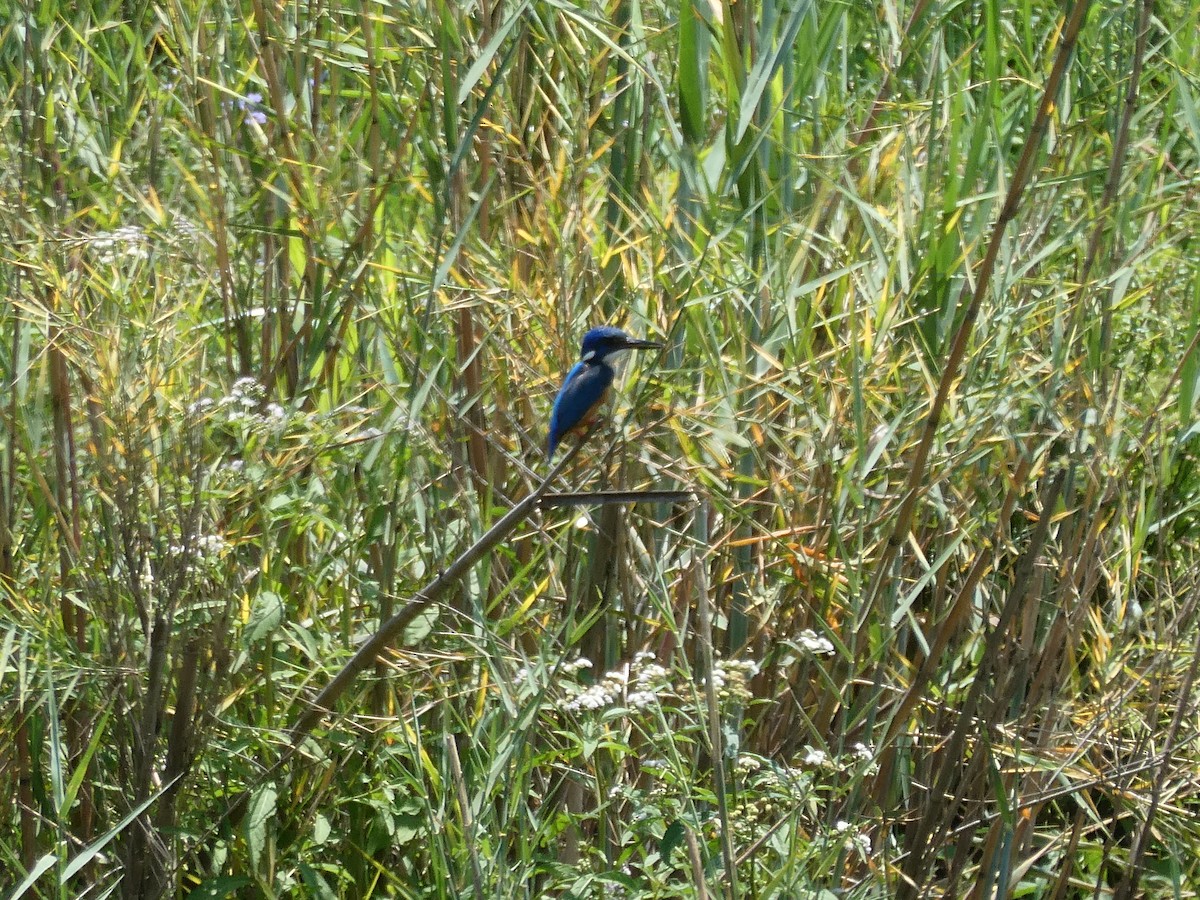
<point>638,344</point>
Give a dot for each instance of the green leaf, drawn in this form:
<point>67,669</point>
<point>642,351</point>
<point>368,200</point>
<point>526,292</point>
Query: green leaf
<point>420,627</point>
<point>262,812</point>
<point>40,868</point>
<point>693,44</point>
<point>321,829</point>
<point>316,884</point>
<point>671,839</point>
<point>81,766</point>
<point>266,614</point>
<point>765,68</point>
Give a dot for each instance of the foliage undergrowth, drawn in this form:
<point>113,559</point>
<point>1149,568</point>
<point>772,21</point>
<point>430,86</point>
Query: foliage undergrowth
<point>289,292</point>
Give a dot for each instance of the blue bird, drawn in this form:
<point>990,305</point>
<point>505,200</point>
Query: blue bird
<point>587,384</point>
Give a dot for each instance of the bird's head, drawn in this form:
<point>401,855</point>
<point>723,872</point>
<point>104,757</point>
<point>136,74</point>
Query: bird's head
<point>605,340</point>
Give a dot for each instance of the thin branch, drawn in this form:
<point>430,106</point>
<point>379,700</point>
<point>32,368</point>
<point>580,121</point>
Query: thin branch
<point>394,627</point>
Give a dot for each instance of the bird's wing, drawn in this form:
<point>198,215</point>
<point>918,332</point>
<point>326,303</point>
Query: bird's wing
<point>583,391</point>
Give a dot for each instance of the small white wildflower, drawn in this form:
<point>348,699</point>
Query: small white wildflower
<point>815,757</point>
<point>618,677</point>
<point>210,544</point>
<point>275,413</point>
<point>243,417</point>
<point>641,699</point>
<point>201,406</point>
<point>841,826</point>
<point>816,644</point>
<point>731,677</point>
<point>737,668</point>
<point>639,689</point>
<point>863,752</point>
<point>581,522</point>
<point>748,764</point>
<point>859,842</point>
<point>652,674</point>
<point>521,675</point>
<point>595,697</point>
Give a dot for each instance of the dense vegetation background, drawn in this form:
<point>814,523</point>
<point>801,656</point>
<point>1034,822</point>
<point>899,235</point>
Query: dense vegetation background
<point>289,290</point>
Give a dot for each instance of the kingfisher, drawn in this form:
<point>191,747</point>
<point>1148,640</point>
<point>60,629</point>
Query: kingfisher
<point>587,384</point>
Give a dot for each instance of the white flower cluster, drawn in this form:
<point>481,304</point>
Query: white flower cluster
<point>599,695</point>
<point>211,545</point>
<point>636,685</point>
<point>243,406</point>
<point>204,546</point>
<point>648,679</point>
<point>204,550</point>
<point>748,764</point>
<point>813,757</point>
<point>855,840</point>
<point>816,644</point>
<point>203,554</point>
<point>576,665</point>
<point>731,678</point>
<point>774,789</point>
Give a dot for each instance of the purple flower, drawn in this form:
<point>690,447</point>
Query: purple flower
<point>252,106</point>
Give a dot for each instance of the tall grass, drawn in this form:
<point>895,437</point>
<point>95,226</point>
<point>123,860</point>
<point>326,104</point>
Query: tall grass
<point>290,289</point>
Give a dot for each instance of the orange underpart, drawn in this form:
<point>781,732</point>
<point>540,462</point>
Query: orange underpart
<point>590,418</point>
